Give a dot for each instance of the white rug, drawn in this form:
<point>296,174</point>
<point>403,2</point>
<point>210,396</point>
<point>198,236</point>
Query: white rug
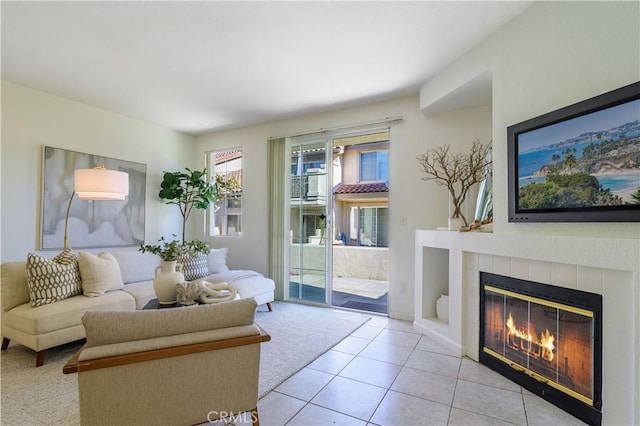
<point>45,396</point>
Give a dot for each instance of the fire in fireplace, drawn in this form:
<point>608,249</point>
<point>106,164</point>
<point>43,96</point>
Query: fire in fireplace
<point>545,338</point>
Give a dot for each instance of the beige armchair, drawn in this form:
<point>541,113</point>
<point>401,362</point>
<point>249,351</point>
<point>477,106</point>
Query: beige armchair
<point>169,366</point>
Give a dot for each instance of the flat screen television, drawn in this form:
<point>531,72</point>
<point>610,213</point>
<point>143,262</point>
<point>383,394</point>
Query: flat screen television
<point>580,163</point>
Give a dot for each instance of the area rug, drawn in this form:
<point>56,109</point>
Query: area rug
<point>45,396</point>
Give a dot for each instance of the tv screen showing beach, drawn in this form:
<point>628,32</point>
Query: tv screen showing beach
<point>589,161</point>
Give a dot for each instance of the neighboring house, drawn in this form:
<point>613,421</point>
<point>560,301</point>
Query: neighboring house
<point>360,194</point>
<point>361,198</point>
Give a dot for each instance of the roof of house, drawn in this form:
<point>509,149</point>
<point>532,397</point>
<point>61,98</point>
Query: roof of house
<point>361,188</point>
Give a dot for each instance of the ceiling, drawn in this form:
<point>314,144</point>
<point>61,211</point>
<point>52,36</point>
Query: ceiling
<point>203,66</point>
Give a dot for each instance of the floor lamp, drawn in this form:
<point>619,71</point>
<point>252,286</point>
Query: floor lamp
<point>97,184</point>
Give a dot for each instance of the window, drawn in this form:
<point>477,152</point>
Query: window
<point>226,217</point>
<point>369,226</point>
<point>374,166</point>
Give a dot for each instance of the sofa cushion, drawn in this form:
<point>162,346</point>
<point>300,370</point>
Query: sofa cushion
<point>99,273</point>
<point>103,328</point>
<point>142,292</point>
<point>52,280</point>
<point>15,290</point>
<point>251,287</point>
<point>136,266</point>
<point>63,314</point>
<point>217,260</point>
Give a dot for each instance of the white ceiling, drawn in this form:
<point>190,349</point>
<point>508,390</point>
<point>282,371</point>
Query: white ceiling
<point>204,66</point>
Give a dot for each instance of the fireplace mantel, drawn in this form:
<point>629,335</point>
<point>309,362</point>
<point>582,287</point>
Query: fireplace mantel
<point>449,263</point>
<point>610,253</point>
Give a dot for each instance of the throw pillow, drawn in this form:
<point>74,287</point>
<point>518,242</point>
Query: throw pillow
<point>52,280</point>
<point>194,267</point>
<point>217,260</point>
<point>99,274</point>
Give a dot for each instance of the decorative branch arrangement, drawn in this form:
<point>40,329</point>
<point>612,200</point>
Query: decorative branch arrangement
<point>457,172</point>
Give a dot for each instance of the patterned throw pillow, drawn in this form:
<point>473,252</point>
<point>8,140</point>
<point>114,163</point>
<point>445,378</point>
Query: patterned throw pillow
<point>194,267</point>
<point>52,280</point>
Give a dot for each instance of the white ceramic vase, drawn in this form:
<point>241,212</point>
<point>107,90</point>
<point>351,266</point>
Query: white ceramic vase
<point>442,308</point>
<point>167,275</point>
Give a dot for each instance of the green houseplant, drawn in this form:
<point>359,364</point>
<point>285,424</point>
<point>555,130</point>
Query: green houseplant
<point>188,190</point>
<point>167,250</point>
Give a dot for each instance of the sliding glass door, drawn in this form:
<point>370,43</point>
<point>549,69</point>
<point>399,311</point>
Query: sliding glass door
<point>309,221</point>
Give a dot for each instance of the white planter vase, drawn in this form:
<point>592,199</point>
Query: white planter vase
<point>442,308</point>
<point>167,275</point>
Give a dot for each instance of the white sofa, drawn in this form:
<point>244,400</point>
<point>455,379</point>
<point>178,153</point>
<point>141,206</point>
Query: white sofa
<point>50,325</point>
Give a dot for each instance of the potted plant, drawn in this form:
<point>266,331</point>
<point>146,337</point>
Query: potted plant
<point>457,172</point>
<point>170,273</point>
<point>167,250</point>
<point>187,190</point>
<point>322,226</point>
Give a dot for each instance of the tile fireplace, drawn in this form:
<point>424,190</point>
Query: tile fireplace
<point>451,263</point>
<point>547,339</point>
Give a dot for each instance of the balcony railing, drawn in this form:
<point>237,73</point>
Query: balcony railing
<point>310,188</point>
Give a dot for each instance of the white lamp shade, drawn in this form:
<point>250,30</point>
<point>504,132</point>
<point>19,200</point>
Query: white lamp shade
<point>101,184</point>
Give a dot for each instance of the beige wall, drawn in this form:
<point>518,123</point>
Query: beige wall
<point>31,119</point>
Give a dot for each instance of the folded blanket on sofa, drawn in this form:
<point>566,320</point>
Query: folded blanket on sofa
<point>232,276</point>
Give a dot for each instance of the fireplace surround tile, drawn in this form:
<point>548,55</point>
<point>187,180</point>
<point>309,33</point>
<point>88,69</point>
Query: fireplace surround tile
<point>520,268</point>
<point>501,265</point>
<point>617,368</point>
<point>485,262</point>
<point>618,412</point>
<point>564,275</point>
<point>591,279</point>
<point>618,284</point>
<point>619,311</point>
<point>539,271</point>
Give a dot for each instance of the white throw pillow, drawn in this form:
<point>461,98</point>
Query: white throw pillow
<point>52,280</point>
<point>217,260</point>
<point>99,274</point>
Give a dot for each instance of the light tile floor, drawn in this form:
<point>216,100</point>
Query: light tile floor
<point>386,373</point>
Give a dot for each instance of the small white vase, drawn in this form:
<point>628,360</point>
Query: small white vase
<point>167,275</point>
<point>455,223</point>
<point>442,308</point>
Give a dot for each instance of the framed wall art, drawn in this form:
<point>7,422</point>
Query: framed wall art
<point>91,223</point>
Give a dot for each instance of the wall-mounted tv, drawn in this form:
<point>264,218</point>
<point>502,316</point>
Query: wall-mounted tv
<point>580,163</point>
